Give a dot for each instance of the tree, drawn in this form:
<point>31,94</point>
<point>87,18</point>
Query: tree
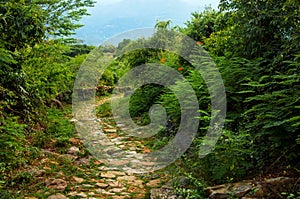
<point>24,23</point>
<point>162,25</point>
<point>62,16</point>
<point>212,29</point>
<point>27,22</point>
<point>202,24</point>
<point>264,28</point>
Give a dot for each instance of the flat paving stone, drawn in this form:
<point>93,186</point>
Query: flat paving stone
<point>101,185</point>
<point>117,173</point>
<point>115,184</point>
<point>154,183</point>
<point>107,175</point>
<point>126,178</point>
<point>117,190</point>
<point>119,197</point>
<point>110,130</point>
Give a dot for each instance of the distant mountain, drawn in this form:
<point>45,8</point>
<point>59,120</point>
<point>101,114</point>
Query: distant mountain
<point>111,17</point>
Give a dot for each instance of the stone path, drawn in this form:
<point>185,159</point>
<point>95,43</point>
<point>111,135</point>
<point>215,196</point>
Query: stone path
<point>95,180</point>
<point>118,180</point>
<point>113,184</point>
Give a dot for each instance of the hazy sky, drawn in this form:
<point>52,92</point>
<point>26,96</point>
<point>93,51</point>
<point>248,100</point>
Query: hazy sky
<point>190,2</point>
<point>111,17</point>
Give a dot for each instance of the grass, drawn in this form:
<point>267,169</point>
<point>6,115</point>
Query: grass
<point>52,136</point>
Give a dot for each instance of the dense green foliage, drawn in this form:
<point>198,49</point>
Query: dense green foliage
<point>36,71</point>
<point>255,45</point>
<point>256,48</point>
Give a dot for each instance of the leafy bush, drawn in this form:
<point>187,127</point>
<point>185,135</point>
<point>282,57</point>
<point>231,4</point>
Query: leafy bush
<point>50,72</point>
<point>274,114</point>
<point>59,127</point>
<point>12,143</point>
<point>104,110</point>
<point>54,130</point>
<point>142,100</point>
<point>195,188</point>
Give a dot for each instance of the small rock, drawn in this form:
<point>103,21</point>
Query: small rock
<point>113,136</point>
<point>98,195</point>
<point>126,178</point>
<point>75,141</point>
<point>121,125</point>
<point>104,168</point>
<point>54,162</point>
<point>138,183</point>
<point>78,180</point>
<point>145,150</point>
<point>108,193</point>
<point>73,150</point>
<point>73,193</point>
<point>217,192</point>
<point>279,180</point>
<point>133,189</point>
<point>73,120</point>
<point>87,186</point>
<point>241,189</point>
<point>97,162</point>
<point>57,196</point>
<point>107,175</point>
<point>119,162</point>
<point>117,173</point>
<point>47,168</point>
<point>39,173</point>
<point>115,184</point>
<point>91,194</point>
<point>117,190</point>
<point>99,191</point>
<point>59,174</point>
<point>153,183</point>
<point>119,197</point>
<point>110,130</point>
<point>58,184</point>
<point>83,161</point>
<point>133,148</point>
<point>94,180</point>
<point>101,185</point>
<point>83,195</point>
